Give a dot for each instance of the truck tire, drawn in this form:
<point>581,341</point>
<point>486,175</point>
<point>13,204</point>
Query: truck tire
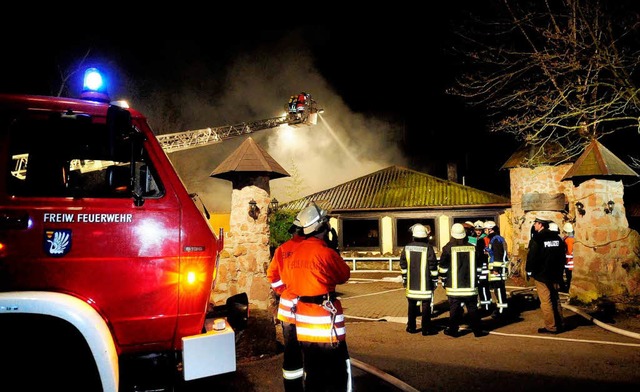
<point>46,353</point>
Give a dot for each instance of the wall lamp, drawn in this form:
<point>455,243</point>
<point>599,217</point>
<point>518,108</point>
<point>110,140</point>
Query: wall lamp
<point>580,208</point>
<point>254,211</point>
<point>273,206</point>
<point>609,207</point>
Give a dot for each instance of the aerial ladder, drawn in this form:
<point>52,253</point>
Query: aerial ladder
<point>301,110</point>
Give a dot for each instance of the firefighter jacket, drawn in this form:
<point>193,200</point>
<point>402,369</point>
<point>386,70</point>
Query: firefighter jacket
<point>569,241</point>
<point>460,268</point>
<point>281,256</point>
<point>311,275</point>
<point>419,269</point>
<point>546,257</point>
<point>498,259</point>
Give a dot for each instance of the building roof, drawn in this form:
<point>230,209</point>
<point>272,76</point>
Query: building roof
<point>531,156</point>
<point>249,158</point>
<point>399,188</point>
<point>598,161</point>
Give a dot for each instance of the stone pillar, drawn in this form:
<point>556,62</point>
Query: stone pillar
<point>246,256</point>
<point>606,250</point>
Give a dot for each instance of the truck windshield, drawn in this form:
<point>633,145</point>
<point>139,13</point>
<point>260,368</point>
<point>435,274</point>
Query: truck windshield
<point>72,156</point>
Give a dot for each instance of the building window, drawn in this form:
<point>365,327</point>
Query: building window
<point>403,232</point>
<point>360,233</point>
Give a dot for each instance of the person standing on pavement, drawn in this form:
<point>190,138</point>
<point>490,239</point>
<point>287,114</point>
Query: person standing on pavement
<point>569,240</point>
<point>310,276</point>
<point>292,365</point>
<point>545,264</point>
<point>498,260</point>
<point>419,269</point>
<point>484,293</point>
<point>459,270</point>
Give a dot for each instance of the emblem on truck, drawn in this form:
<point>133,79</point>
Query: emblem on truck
<point>57,242</point>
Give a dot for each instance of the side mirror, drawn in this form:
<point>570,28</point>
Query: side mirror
<point>120,128</point>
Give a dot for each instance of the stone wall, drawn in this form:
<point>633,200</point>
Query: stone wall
<point>606,251</point>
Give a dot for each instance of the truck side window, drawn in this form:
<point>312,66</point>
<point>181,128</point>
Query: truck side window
<point>71,157</point>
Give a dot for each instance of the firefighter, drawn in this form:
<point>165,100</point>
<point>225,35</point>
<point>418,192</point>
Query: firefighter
<point>310,276</point>
<point>419,269</point>
<point>470,228</point>
<point>498,260</point>
<point>484,293</point>
<point>292,366</point>
<point>569,240</point>
<point>301,102</point>
<point>293,103</point>
<point>459,271</point>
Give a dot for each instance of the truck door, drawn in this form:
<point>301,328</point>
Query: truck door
<point>88,215</point>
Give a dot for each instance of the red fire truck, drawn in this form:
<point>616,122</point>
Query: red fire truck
<point>104,255</point>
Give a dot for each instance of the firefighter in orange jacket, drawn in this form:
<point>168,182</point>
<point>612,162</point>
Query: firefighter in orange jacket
<point>310,276</point>
<point>569,240</point>
<point>292,367</point>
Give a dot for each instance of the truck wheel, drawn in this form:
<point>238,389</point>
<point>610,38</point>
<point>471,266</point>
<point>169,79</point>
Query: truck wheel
<point>46,353</point>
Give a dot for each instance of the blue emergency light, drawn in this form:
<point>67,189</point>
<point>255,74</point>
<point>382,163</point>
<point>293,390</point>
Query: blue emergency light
<point>94,87</point>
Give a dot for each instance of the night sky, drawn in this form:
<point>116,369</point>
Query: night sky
<point>382,85</point>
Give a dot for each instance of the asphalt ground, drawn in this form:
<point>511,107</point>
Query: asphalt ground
<point>374,299</point>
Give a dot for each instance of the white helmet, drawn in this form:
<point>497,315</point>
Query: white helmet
<point>478,224</point>
<point>568,227</point>
<point>419,231</point>
<point>458,231</point>
<point>311,218</point>
<point>553,227</point>
<point>489,224</point>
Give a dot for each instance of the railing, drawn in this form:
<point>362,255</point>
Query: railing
<point>355,260</point>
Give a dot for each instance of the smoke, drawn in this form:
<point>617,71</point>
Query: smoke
<point>257,85</point>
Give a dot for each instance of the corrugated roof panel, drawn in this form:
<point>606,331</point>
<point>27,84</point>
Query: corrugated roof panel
<point>398,187</point>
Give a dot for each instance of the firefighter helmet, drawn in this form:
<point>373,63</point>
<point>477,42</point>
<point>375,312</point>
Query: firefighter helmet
<point>568,227</point>
<point>458,231</point>
<point>419,231</point>
<point>478,225</point>
<point>489,224</point>
<point>311,218</point>
<point>554,227</point>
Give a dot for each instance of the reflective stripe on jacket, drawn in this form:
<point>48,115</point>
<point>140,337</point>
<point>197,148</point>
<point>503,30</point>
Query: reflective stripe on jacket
<point>459,262</point>
<point>314,269</point>
<point>418,262</point>
<point>280,257</point>
<point>316,324</point>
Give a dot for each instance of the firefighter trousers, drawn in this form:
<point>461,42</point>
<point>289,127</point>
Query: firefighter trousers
<point>292,367</point>
<point>327,367</point>
<point>413,311</point>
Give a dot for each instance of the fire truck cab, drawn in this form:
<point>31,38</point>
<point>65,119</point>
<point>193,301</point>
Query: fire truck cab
<point>103,252</point>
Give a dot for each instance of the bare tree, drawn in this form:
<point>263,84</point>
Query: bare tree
<point>554,73</point>
<point>67,73</point>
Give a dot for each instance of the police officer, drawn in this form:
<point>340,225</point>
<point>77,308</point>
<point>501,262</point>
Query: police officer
<point>498,260</point>
<point>545,264</point>
<point>459,270</point>
<point>311,275</point>
<point>419,270</point>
